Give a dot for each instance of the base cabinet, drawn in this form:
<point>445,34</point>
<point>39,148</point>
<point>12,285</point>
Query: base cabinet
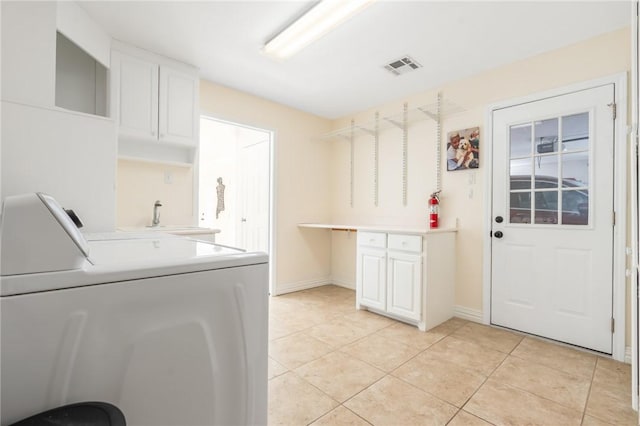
<point>372,283</point>
<point>407,277</point>
<point>404,284</point>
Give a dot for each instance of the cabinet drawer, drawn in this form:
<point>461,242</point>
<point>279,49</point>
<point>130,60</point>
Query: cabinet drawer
<point>410,243</point>
<point>372,239</point>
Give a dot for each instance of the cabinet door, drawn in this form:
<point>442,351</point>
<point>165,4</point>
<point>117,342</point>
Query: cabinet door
<point>178,107</point>
<point>135,86</point>
<point>404,281</point>
<point>371,278</point>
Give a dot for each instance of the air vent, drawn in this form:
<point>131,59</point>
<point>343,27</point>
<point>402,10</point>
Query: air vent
<point>402,65</point>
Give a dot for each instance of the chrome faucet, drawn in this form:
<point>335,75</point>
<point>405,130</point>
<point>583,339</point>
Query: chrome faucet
<point>156,213</point>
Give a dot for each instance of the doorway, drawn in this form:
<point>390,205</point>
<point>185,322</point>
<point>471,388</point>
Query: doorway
<point>553,240</point>
<point>234,191</point>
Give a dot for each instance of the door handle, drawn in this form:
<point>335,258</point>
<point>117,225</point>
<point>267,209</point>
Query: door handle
<point>498,234</point>
<point>499,219</point>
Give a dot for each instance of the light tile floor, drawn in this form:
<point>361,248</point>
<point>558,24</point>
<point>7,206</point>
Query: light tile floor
<point>332,365</point>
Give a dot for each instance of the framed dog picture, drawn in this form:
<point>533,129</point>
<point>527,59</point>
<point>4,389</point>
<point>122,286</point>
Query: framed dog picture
<point>463,149</point>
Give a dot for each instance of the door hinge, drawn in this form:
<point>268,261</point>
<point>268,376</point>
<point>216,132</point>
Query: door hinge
<point>614,218</point>
<point>613,325</point>
<point>614,109</point>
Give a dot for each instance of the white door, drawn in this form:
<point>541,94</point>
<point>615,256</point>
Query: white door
<point>372,278</point>
<point>552,213</point>
<point>404,280</point>
<point>254,192</point>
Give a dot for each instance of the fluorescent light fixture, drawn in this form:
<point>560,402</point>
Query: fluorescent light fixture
<point>318,21</point>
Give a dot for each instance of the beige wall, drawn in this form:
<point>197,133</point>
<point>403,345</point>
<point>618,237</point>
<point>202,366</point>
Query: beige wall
<point>140,184</point>
<point>302,190</point>
<point>463,190</point>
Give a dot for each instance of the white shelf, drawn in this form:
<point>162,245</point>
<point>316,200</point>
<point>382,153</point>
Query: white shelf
<point>415,115</point>
<point>156,152</point>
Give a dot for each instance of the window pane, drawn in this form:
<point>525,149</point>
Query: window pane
<point>520,140</point>
<point>575,207</point>
<point>575,132</point>
<point>546,170</point>
<point>546,207</point>
<point>520,207</point>
<point>575,169</point>
<point>546,136</point>
<point>520,172</point>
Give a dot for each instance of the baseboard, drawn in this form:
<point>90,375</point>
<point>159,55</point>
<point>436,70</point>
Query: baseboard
<point>343,283</point>
<point>627,355</point>
<point>301,285</point>
<point>468,314</point>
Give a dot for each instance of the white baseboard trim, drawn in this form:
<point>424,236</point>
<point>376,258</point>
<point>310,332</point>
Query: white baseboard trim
<point>343,283</point>
<point>627,355</point>
<point>467,313</point>
<point>301,285</point>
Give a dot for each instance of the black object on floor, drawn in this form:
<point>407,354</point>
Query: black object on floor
<point>79,414</point>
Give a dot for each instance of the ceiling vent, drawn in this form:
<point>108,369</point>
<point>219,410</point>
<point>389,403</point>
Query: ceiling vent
<point>402,65</point>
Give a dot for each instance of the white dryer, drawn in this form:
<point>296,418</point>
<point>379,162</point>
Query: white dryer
<point>170,330</point>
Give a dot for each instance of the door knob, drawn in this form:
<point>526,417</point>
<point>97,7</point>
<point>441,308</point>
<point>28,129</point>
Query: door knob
<point>499,219</point>
<point>244,219</point>
<point>498,234</point>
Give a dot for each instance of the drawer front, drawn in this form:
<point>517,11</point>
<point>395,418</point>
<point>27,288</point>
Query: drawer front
<point>372,239</point>
<point>409,243</point>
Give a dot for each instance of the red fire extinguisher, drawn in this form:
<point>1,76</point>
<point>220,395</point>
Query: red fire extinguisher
<point>434,206</point>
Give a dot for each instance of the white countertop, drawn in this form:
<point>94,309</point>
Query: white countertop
<point>376,228</point>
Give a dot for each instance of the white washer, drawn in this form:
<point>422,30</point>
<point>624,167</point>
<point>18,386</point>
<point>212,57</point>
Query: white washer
<point>172,331</point>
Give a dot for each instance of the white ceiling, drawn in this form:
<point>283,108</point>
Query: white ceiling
<point>343,73</point>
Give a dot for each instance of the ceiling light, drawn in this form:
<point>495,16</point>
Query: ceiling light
<point>318,21</point>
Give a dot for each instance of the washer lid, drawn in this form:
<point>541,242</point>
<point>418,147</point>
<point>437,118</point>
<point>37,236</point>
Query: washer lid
<point>142,252</point>
<point>115,260</point>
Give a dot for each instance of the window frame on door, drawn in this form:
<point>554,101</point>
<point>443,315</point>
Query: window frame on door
<point>619,80</point>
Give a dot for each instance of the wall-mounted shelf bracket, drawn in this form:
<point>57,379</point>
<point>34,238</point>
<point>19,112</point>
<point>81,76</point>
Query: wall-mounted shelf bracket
<point>398,124</point>
<point>429,114</point>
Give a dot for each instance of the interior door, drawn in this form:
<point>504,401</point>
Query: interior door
<point>552,213</point>
<point>254,192</point>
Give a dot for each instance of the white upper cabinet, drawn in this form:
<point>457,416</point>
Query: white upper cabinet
<point>154,99</point>
<point>135,84</point>
<point>178,106</point>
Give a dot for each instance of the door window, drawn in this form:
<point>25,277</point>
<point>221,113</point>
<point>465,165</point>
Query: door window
<point>549,171</point>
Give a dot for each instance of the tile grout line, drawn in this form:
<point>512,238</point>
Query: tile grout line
<point>586,402</point>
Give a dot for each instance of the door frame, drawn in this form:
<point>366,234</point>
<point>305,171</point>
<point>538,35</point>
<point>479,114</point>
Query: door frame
<point>620,198</point>
<point>272,186</point>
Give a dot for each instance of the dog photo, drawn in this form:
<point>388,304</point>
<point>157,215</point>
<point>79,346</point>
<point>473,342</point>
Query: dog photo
<point>463,149</point>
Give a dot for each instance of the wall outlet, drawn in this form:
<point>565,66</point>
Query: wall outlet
<point>168,177</point>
